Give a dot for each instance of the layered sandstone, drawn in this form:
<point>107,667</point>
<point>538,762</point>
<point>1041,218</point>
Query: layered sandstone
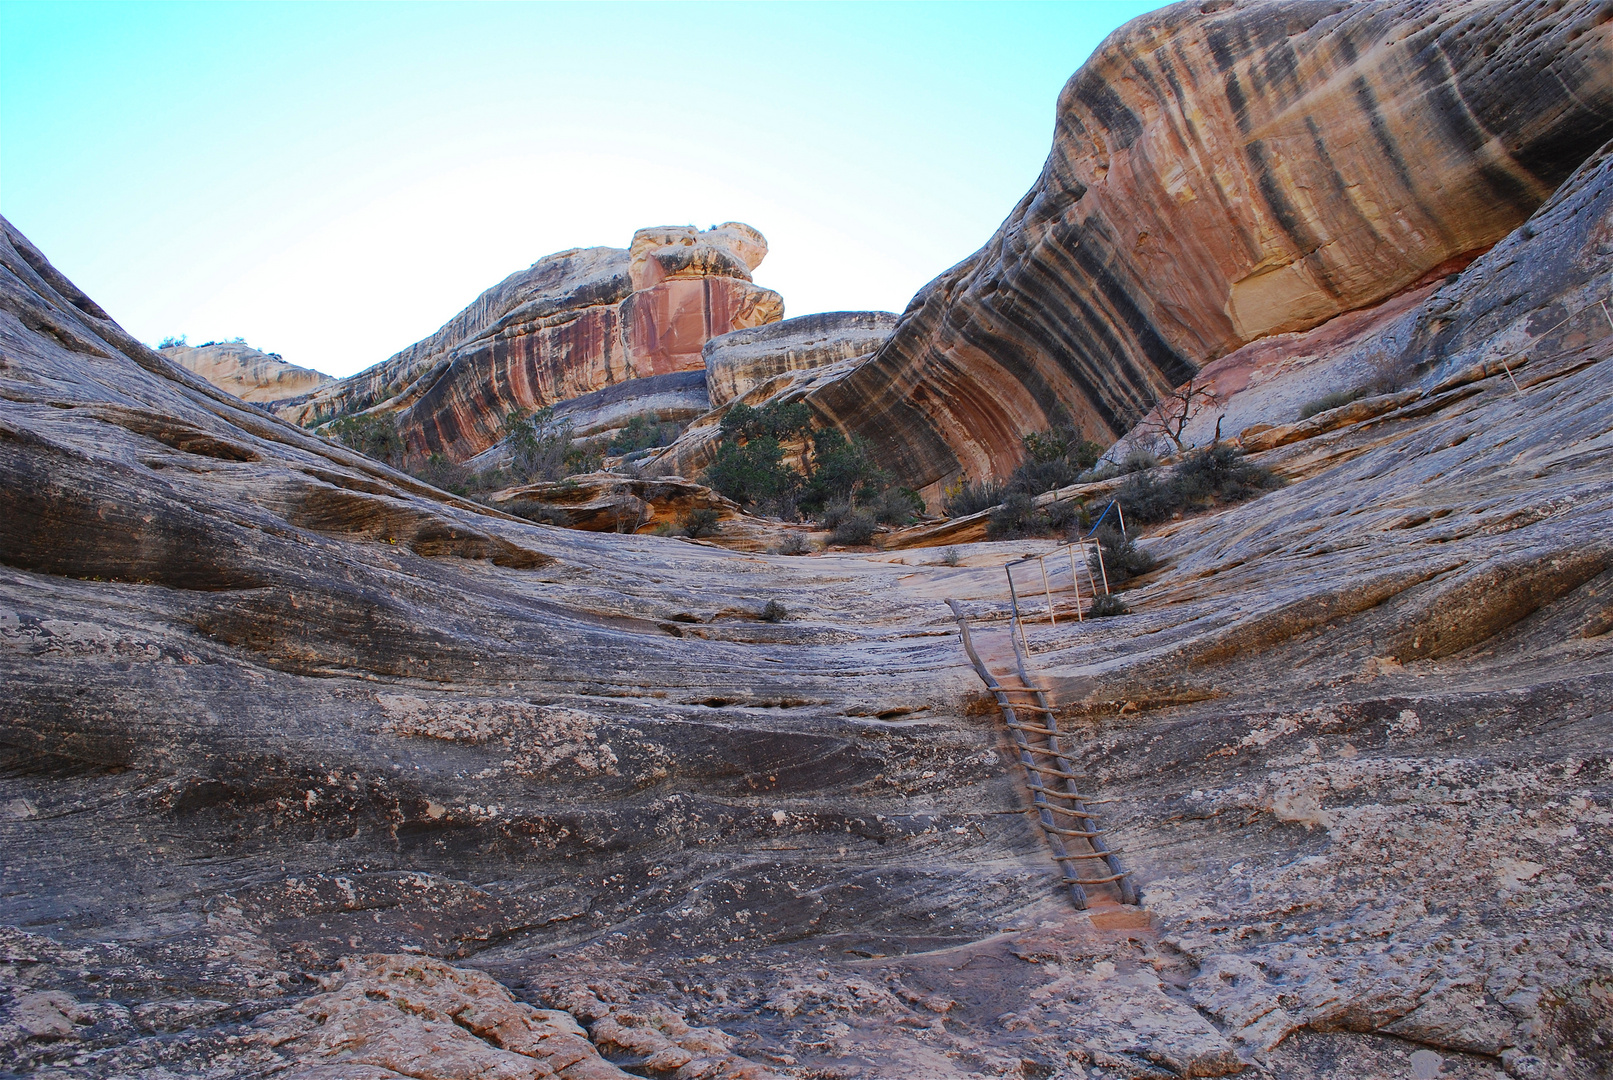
<point>301,757</point>
<point>1222,172</point>
<point>740,362</point>
<point>571,324</point>
<point>248,373</point>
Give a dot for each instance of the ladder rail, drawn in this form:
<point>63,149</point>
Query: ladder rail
<point>1040,793</point>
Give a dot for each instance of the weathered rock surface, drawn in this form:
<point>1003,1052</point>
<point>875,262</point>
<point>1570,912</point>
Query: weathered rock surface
<point>1223,172</point>
<point>572,323</point>
<point>248,373</point>
<point>738,363</point>
<point>612,502</point>
<point>272,706</point>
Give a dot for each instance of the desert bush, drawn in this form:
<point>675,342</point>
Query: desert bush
<point>774,612</point>
<point>1221,472</point>
<point>897,506</point>
<point>1326,402</point>
<point>853,526</point>
<point>170,341</point>
<point>1017,516</point>
<point>1108,605</point>
<point>951,557</point>
<point>1138,460</point>
<point>794,544</point>
<point>644,432</point>
<point>969,497</point>
<point>774,421</point>
<point>700,521</point>
<point>1054,458</point>
<point>753,473</point>
<point>1067,516</point>
<point>1122,559</point>
<point>1215,474</point>
<point>441,473</point>
<point>374,436</point>
<point>541,448</point>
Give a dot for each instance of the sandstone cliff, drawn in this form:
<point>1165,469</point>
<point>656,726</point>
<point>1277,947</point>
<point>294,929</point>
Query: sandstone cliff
<point>246,372</point>
<point>310,770</point>
<point>740,362</point>
<point>1221,172</point>
<point>572,323</point>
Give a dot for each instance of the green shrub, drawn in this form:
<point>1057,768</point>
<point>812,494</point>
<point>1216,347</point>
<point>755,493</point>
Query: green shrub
<point>794,544</point>
<point>753,473</point>
<point>897,506</point>
<point>1326,402</point>
<point>701,521</point>
<point>1122,559</point>
<point>1016,517</point>
<point>776,421</point>
<point>853,527</point>
<point>443,474</point>
<point>1147,500</point>
<point>644,432</point>
<point>1138,461</point>
<point>842,470</point>
<point>969,497</point>
<point>950,557</point>
<point>375,436</point>
<point>1108,605</point>
<point>1067,516</point>
<point>774,612</point>
<point>171,341</point>
<point>1214,474</point>
<point>541,448</point>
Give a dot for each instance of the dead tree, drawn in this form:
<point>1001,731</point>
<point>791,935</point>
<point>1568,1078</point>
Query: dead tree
<point>1170,415</point>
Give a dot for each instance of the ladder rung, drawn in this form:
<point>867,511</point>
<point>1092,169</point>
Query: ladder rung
<point>1031,748</point>
<point>1033,729</point>
<point>1045,771</point>
<point>1089,834</point>
<point>1069,795</point>
<point>1099,880</point>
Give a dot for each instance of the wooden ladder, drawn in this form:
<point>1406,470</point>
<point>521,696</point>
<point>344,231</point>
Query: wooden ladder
<point>1041,756</point>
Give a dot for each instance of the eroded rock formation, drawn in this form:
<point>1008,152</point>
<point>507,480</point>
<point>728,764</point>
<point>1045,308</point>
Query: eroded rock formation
<point>572,323</point>
<point>309,769</point>
<point>745,360</point>
<point>1222,172</point>
<point>248,373</point>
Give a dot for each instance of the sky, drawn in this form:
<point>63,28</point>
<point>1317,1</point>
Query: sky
<point>334,181</point>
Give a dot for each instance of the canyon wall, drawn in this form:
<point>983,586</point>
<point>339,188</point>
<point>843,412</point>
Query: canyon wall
<point>573,323</point>
<point>1221,172</point>
<point>248,373</point>
<point>745,360</point>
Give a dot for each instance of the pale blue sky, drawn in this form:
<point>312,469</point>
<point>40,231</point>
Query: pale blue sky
<point>333,181</point>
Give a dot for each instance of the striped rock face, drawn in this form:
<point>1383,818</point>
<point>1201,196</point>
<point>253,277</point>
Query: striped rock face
<point>573,323</point>
<point>1223,172</point>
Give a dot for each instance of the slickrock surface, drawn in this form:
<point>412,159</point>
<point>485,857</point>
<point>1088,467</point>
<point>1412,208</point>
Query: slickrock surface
<point>572,323</point>
<point>248,373</point>
<point>272,707</point>
<point>308,769</point>
<point>1221,172</point>
<point>739,362</point>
